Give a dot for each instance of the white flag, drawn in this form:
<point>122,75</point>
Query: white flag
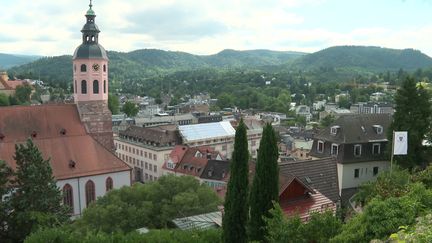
<point>400,143</point>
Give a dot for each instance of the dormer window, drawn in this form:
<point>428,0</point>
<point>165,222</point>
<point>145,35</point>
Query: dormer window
<point>334,149</point>
<point>378,129</point>
<point>334,130</point>
<point>320,146</point>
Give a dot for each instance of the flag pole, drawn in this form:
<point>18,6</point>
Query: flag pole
<point>392,152</point>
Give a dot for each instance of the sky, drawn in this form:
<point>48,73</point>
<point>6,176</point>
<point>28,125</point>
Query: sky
<point>51,28</point>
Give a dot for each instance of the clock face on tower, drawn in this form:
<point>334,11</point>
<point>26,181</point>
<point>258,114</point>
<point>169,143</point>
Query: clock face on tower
<point>95,67</point>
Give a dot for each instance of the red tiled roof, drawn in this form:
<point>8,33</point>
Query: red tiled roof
<point>48,122</point>
<point>304,206</point>
<point>13,84</point>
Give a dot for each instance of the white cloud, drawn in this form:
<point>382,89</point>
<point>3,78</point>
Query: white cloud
<point>48,27</point>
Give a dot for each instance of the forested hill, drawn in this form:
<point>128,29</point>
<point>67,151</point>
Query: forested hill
<point>147,62</point>
<point>366,58</point>
<point>10,60</point>
<point>334,63</point>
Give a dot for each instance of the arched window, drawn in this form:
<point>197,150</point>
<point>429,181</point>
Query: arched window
<point>83,68</point>
<point>90,192</point>
<point>109,184</point>
<point>104,86</point>
<point>104,68</point>
<point>83,87</point>
<point>74,68</point>
<point>75,87</point>
<point>95,87</point>
<point>92,38</point>
<point>68,197</point>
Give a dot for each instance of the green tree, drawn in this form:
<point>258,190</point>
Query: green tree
<point>5,207</point>
<point>265,186</point>
<point>413,114</point>
<point>151,205</point>
<point>22,93</point>
<point>113,104</point>
<point>130,109</point>
<point>225,100</point>
<point>327,120</point>
<point>36,200</point>
<point>236,208</point>
<point>281,229</point>
<point>4,100</point>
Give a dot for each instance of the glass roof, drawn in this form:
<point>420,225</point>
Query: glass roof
<point>206,130</point>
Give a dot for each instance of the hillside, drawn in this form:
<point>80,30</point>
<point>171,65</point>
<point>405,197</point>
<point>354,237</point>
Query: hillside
<point>365,58</point>
<point>10,60</point>
<point>148,62</point>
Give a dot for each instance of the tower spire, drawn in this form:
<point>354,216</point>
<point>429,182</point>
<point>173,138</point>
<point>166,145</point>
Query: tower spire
<point>90,5</point>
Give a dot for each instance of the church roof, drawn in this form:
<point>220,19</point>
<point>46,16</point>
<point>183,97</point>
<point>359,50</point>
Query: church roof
<point>90,51</point>
<point>61,137</point>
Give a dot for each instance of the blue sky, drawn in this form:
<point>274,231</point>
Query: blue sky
<point>46,27</point>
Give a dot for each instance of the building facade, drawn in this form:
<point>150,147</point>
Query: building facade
<point>358,143</point>
<point>146,149</point>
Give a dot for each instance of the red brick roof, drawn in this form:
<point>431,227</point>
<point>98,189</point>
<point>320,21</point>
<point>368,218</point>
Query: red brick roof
<point>60,136</point>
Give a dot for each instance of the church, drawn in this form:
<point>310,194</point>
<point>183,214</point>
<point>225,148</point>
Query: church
<point>77,138</point>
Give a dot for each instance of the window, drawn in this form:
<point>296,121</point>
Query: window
<point>375,170</point>
<point>104,68</point>
<point>334,130</point>
<point>320,146</point>
<point>68,197</point>
<point>146,176</point>
<point>378,129</point>
<point>150,167</point>
<point>155,168</point>
<point>376,148</point>
<point>357,150</point>
<point>224,147</point>
<point>95,87</point>
<point>133,150</point>
<point>83,87</point>
<point>145,154</point>
<point>253,143</point>
<point>335,149</point>
<point>75,87</point>
<point>151,177</point>
<point>109,184</point>
<point>141,152</point>
<point>150,155</point>
<point>356,173</point>
<point>154,157</point>
<point>83,68</point>
<point>104,87</point>
<point>146,165</point>
<point>90,192</point>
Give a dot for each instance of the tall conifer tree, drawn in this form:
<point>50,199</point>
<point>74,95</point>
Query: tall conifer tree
<point>36,202</point>
<point>265,187</point>
<point>413,114</point>
<point>236,208</point>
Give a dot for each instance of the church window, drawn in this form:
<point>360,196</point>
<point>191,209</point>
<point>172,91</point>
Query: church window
<point>92,38</point>
<point>83,87</point>
<point>104,86</point>
<point>104,68</point>
<point>109,184</point>
<point>75,87</point>
<point>68,197</point>
<point>90,192</point>
<point>83,68</point>
<point>87,38</point>
<point>95,87</point>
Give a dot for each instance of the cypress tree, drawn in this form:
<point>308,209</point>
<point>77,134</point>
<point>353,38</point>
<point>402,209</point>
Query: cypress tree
<point>36,201</point>
<point>265,186</point>
<point>236,207</point>
<point>413,114</point>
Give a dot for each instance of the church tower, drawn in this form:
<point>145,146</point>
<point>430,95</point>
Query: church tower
<point>90,83</point>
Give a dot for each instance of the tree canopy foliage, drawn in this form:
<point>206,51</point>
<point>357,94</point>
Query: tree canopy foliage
<point>151,205</point>
<point>129,108</point>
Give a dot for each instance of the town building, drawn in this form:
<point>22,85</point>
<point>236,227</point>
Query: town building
<point>304,111</point>
<point>7,86</point>
<point>145,149</point>
<point>77,138</point>
<point>372,108</point>
<point>220,136</point>
<point>202,162</point>
<point>308,186</point>
<point>183,119</point>
<point>358,143</point>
